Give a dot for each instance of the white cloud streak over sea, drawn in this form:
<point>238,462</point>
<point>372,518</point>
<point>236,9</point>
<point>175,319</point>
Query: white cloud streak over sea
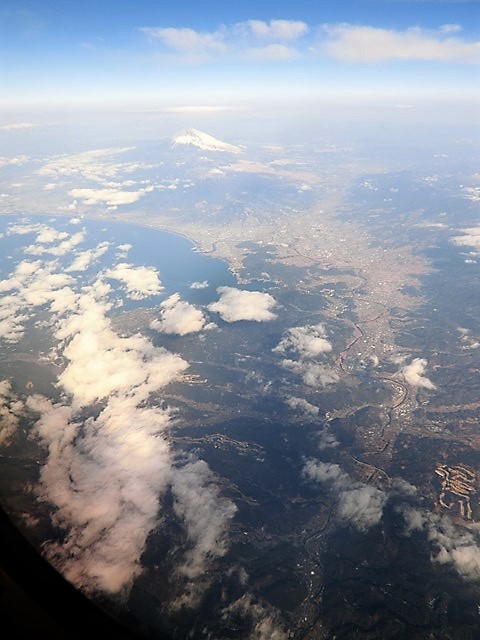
<point>139,282</point>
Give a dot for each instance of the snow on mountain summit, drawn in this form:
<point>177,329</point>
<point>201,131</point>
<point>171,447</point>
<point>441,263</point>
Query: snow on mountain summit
<point>203,141</point>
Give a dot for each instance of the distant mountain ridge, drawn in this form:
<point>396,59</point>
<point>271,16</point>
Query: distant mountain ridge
<point>204,141</point>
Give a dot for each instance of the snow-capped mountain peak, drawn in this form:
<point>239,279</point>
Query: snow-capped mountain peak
<point>203,141</point>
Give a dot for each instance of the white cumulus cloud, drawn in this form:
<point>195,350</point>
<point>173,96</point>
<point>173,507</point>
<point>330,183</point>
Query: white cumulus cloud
<point>140,282</point>
<point>110,197</point>
<point>413,374</point>
<point>16,126</point>
<point>308,341</point>
<point>102,363</point>
<point>199,285</point>
<point>363,506</point>
<point>31,285</point>
<point>48,235</point>
<point>178,317</point>
<point>103,473</point>
<point>236,304</point>
<point>53,248</point>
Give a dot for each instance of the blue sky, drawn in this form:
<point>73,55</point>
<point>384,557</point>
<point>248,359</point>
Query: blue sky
<point>207,52</point>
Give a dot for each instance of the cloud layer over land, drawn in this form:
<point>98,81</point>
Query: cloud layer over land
<point>305,346</point>
<point>109,460</point>
<point>357,503</point>
<point>451,544</point>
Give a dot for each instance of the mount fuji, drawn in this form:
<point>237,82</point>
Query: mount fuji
<point>203,141</point>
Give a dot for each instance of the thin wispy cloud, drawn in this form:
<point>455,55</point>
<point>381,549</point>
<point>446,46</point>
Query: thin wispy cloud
<point>17,126</point>
<point>94,164</point>
<point>312,373</point>
<point>252,39</point>
<point>451,544</point>
<point>359,44</point>
<point>205,514</point>
<point>357,503</point>
<point>304,347</point>
<point>279,30</point>
<point>53,248</point>
<point>186,39</point>
<point>200,109</point>
<point>471,236</point>
<point>272,52</point>
<point>283,40</point>
<point>14,161</point>
<point>326,440</point>
<point>266,621</point>
<point>111,182</point>
<point>302,406</point>
<point>199,285</point>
